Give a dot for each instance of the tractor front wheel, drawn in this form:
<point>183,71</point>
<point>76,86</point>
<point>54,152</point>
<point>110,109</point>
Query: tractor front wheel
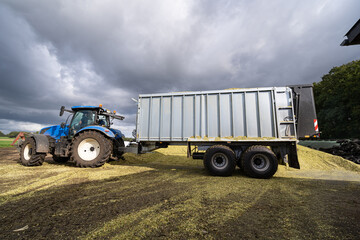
<point>28,155</point>
<point>90,149</point>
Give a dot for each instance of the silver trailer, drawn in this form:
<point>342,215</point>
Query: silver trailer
<point>254,128</point>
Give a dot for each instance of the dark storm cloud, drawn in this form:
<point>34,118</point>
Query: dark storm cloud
<point>57,53</point>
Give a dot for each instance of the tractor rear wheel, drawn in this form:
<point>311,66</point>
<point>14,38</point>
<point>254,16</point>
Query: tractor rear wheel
<point>28,155</point>
<point>90,149</point>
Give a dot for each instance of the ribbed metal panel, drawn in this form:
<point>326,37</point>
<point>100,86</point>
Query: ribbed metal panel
<point>251,113</point>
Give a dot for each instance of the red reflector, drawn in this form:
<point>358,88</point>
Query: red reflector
<point>316,125</point>
<point>106,130</point>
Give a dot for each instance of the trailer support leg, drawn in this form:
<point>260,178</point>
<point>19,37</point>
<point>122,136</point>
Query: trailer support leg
<point>188,149</point>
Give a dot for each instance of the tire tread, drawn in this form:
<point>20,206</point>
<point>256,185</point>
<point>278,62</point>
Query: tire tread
<point>36,159</point>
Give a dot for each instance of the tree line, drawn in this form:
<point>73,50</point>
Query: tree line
<point>337,101</point>
<point>10,134</point>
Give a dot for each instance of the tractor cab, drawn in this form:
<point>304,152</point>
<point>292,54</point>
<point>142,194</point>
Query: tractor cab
<point>85,116</point>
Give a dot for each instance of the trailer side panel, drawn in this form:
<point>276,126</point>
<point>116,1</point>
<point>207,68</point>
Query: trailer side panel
<point>237,113</point>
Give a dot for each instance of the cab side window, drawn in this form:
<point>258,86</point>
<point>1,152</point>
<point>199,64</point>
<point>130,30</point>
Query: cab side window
<point>81,119</point>
<point>102,120</point>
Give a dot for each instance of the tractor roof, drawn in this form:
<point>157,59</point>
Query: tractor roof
<point>77,108</point>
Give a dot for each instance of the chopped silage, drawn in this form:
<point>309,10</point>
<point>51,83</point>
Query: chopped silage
<point>315,164</point>
<point>311,159</point>
<point>166,195</point>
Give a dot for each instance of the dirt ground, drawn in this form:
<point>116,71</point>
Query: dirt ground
<point>164,195</point>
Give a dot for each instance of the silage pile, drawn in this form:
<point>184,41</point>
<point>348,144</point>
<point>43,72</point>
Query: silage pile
<point>315,164</point>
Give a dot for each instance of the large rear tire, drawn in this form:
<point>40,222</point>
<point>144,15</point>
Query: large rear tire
<point>90,149</point>
<point>259,162</point>
<point>28,155</point>
<point>220,160</point>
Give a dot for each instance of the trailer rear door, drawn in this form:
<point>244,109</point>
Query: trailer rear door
<point>305,113</point>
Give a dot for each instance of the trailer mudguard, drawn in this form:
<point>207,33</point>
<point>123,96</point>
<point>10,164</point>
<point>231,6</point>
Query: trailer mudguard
<point>293,157</point>
<point>101,129</point>
<point>42,143</point>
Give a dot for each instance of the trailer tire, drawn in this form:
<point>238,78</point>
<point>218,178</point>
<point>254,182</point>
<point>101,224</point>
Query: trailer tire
<point>28,155</point>
<point>259,162</point>
<point>90,149</point>
<point>60,159</point>
<point>220,160</point>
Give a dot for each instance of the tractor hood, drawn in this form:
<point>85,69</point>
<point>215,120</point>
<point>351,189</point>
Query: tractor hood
<point>55,131</point>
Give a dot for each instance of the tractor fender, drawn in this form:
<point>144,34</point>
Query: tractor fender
<point>118,134</point>
<point>42,143</point>
<point>101,129</point>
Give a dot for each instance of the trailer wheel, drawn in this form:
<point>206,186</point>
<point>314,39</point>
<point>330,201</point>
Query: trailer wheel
<point>259,162</point>
<point>220,160</point>
<point>90,149</point>
<point>28,155</point>
<point>60,159</point>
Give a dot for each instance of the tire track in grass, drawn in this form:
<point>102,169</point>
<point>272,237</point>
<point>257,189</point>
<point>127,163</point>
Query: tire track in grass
<point>198,212</point>
<point>300,209</point>
<point>70,211</point>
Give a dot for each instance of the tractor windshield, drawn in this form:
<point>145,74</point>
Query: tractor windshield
<point>82,119</point>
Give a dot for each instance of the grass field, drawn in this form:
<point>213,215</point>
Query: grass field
<point>164,195</point>
<point>5,142</point>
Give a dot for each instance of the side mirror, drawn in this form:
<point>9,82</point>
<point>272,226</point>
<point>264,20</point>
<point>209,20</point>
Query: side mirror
<point>62,109</point>
<point>62,125</point>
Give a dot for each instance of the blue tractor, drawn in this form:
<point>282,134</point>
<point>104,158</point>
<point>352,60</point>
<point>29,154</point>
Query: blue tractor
<point>87,140</point>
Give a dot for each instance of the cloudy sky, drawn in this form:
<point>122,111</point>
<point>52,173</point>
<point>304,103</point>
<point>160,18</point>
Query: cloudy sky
<point>81,52</point>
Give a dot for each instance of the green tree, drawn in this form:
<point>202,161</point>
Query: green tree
<point>2,134</point>
<point>337,100</point>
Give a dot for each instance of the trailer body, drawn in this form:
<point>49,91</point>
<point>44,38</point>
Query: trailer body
<point>239,122</point>
<point>250,113</point>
